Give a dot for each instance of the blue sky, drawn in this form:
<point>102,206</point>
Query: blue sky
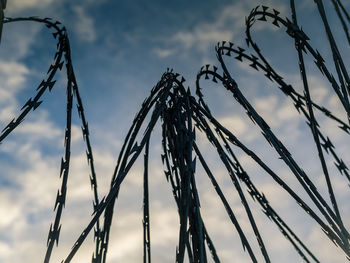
<point>120,50</point>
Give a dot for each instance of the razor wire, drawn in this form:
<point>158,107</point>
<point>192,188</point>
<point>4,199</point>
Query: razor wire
<point>61,57</point>
<point>182,116</point>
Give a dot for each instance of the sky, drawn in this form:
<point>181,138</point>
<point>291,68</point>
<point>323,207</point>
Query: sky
<point>120,49</point>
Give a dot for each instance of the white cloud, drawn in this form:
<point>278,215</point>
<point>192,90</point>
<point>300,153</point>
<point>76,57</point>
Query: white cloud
<point>227,26</point>
<point>15,6</point>
<point>15,74</point>
<point>84,25</point>
<point>163,53</point>
<point>202,37</point>
<point>40,128</point>
<point>5,248</point>
<point>36,173</point>
<point>17,39</point>
<point>9,212</point>
<point>12,79</point>
<point>234,123</point>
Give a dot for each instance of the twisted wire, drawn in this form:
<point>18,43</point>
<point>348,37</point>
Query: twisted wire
<point>182,115</point>
<point>63,51</point>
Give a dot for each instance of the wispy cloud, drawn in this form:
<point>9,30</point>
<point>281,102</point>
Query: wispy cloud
<point>163,53</point>
<point>12,76</point>
<point>84,24</point>
<point>15,6</point>
<point>26,206</point>
<point>228,25</point>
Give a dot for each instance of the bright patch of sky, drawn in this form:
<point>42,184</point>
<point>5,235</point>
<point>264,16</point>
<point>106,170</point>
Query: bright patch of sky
<point>120,50</point>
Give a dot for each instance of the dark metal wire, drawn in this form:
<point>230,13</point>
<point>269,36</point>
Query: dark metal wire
<point>63,50</point>
<point>182,116</point>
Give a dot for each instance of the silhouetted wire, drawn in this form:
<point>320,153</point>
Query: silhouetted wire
<point>339,8</point>
<point>182,115</point>
<point>63,49</point>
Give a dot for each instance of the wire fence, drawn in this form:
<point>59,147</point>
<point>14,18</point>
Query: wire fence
<point>182,116</point>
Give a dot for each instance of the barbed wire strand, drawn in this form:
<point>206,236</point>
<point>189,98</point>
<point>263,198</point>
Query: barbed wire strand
<point>176,108</point>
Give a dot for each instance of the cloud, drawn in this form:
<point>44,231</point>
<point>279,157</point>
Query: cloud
<point>12,77</point>
<point>235,124</point>
<point>15,6</point>
<point>163,53</point>
<point>40,128</point>
<point>202,36</point>
<point>13,72</point>
<point>9,212</point>
<point>26,206</point>
<point>228,25</point>
<point>84,25</point>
